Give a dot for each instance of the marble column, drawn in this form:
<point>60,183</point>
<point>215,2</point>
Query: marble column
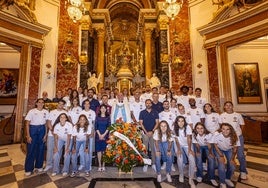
<point>100,59</point>
<point>148,52</point>
<point>213,78</point>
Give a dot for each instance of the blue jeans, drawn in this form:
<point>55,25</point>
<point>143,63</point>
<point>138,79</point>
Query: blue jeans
<point>163,147</point>
<point>79,145</point>
<point>49,155</point>
<point>180,161</point>
<point>36,149</point>
<point>241,156</point>
<point>199,163</point>
<point>57,156</point>
<point>88,159</point>
<point>228,171</point>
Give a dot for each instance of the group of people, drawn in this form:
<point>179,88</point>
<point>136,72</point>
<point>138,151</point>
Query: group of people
<point>181,127</point>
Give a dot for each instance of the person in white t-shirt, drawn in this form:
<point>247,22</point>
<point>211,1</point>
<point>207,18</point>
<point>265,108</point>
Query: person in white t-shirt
<point>136,107</point>
<point>200,101</point>
<point>236,120</point>
<point>36,137</point>
<point>197,114</point>
<point>203,141</point>
<point>81,132</point>
<point>226,144</point>
<point>62,130</point>
<point>169,117</point>
<point>173,107</point>
<point>74,111</point>
<point>91,117</point>
<point>212,119</point>
<point>163,142</point>
<point>182,112</point>
<point>53,115</point>
<point>183,139</point>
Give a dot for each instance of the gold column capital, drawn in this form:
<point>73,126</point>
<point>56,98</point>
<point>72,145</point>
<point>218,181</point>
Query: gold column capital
<point>163,22</point>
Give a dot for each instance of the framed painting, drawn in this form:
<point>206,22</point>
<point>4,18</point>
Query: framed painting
<point>247,80</point>
<point>9,79</point>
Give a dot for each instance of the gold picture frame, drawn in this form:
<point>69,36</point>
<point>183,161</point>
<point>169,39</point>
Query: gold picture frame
<point>247,81</point>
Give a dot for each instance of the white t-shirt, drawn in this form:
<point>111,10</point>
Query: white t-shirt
<point>164,137</point>
<point>182,138</point>
<point>111,102</point>
<point>169,117</point>
<point>145,96</point>
<point>91,117</point>
<point>196,115</point>
<point>212,122</point>
<point>53,115</point>
<point>234,119</point>
<point>162,97</point>
<point>74,113</point>
<point>81,135</point>
<point>174,111</point>
<point>203,140</point>
<point>184,100</point>
<point>37,117</point>
<point>63,131</point>
<point>136,108</point>
<point>224,143</point>
<point>200,102</point>
<point>187,118</point>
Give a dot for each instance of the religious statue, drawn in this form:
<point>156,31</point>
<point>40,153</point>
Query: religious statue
<point>93,81</point>
<point>154,81</point>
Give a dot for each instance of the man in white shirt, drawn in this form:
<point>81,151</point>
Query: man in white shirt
<point>136,107</point>
<point>200,101</point>
<point>197,114</point>
<point>184,98</point>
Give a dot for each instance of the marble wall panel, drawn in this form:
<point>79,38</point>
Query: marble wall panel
<point>213,78</point>
<point>34,77</point>
<point>67,79</point>
<point>181,75</point>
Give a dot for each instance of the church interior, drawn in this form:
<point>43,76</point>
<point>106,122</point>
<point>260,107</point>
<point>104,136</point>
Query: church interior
<point>220,46</point>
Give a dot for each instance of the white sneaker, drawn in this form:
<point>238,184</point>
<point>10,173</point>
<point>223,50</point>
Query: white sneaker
<point>199,179</point>
<point>53,174</point>
<point>181,178</point>
<point>163,167</point>
<point>80,167</point>
<point>159,178</point>
<point>28,173</point>
<point>191,182</point>
<point>205,166</point>
<point>243,176</point>
<point>39,170</point>
<point>222,185</point>
<point>153,167</point>
<point>229,183</point>
<point>47,168</point>
<point>173,168</point>
<point>169,178</point>
<point>64,174</point>
<point>145,167</point>
<point>213,182</point>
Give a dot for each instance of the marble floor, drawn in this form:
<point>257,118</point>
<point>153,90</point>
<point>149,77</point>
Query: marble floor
<point>12,173</point>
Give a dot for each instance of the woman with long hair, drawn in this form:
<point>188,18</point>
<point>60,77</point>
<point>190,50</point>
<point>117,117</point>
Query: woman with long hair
<point>226,144</point>
<point>163,149</point>
<point>81,132</point>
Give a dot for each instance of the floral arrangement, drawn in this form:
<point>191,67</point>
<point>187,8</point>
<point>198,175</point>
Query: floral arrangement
<point>119,152</point>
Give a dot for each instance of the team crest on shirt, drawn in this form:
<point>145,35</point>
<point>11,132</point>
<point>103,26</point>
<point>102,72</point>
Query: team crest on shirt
<point>141,107</point>
<point>213,119</point>
<point>170,117</point>
<point>235,119</point>
<point>197,113</point>
<point>65,131</point>
<point>77,111</point>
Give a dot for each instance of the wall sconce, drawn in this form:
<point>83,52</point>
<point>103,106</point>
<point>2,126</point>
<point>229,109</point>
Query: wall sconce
<point>69,61</point>
<point>177,62</point>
